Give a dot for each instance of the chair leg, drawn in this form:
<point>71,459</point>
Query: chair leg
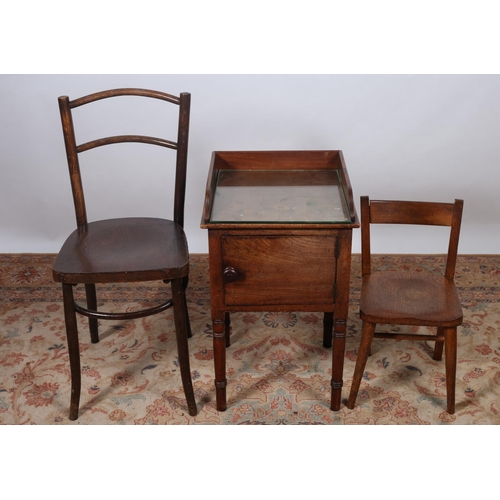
<point>363,352</point>
<point>450,354</point>
<point>92,305</point>
<point>438,348</point>
<point>181,329</point>
<point>185,282</point>
<point>73,349</point>
<point>327,329</point>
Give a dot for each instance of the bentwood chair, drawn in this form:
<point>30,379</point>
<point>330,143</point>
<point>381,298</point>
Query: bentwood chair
<point>124,250</point>
<point>427,299</point>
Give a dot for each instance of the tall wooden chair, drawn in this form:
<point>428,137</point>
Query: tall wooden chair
<point>124,249</point>
<point>410,298</point>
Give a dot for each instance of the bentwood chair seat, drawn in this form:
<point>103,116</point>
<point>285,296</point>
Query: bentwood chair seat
<point>414,298</point>
<point>125,250</point>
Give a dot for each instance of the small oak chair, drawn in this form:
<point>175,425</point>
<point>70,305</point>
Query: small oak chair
<point>410,298</point>
<point>125,249</point>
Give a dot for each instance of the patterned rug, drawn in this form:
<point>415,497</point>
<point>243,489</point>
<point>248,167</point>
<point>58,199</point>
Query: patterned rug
<point>278,371</point>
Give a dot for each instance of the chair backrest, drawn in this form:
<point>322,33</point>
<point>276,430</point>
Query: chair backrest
<point>73,150</point>
<point>411,212</point>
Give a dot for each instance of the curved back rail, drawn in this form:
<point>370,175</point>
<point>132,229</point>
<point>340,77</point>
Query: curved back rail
<point>73,150</point>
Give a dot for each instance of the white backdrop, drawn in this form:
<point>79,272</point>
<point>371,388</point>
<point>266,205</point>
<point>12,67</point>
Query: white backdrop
<point>420,137</point>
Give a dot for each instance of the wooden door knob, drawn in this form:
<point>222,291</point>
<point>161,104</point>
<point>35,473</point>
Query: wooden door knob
<point>230,274</point>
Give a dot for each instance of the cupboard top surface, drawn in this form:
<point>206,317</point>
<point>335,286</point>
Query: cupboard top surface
<point>278,190</point>
<point>279,196</point>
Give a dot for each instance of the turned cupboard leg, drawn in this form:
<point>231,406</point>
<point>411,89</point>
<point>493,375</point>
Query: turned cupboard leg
<point>227,323</point>
<point>343,278</point>
<point>219,333</point>
<point>327,329</point>
<point>338,362</point>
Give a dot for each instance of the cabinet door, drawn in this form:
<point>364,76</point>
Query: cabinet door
<point>279,270</point>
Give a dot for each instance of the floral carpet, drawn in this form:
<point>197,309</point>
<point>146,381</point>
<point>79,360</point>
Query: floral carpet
<point>278,372</point>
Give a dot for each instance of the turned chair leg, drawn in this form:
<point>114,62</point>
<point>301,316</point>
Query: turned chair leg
<point>363,353</point>
<point>181,332</point>
<point>438,348</point>
<point>73,349</point>
<point>450,354</point>
<point>327,329</point>
<point>92,305</point>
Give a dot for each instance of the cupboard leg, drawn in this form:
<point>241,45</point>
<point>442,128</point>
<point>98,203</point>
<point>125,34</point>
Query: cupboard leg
<point>227,321</point>
<point>219,334</point>
<point>339,334</point>
<point>327,329</point>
